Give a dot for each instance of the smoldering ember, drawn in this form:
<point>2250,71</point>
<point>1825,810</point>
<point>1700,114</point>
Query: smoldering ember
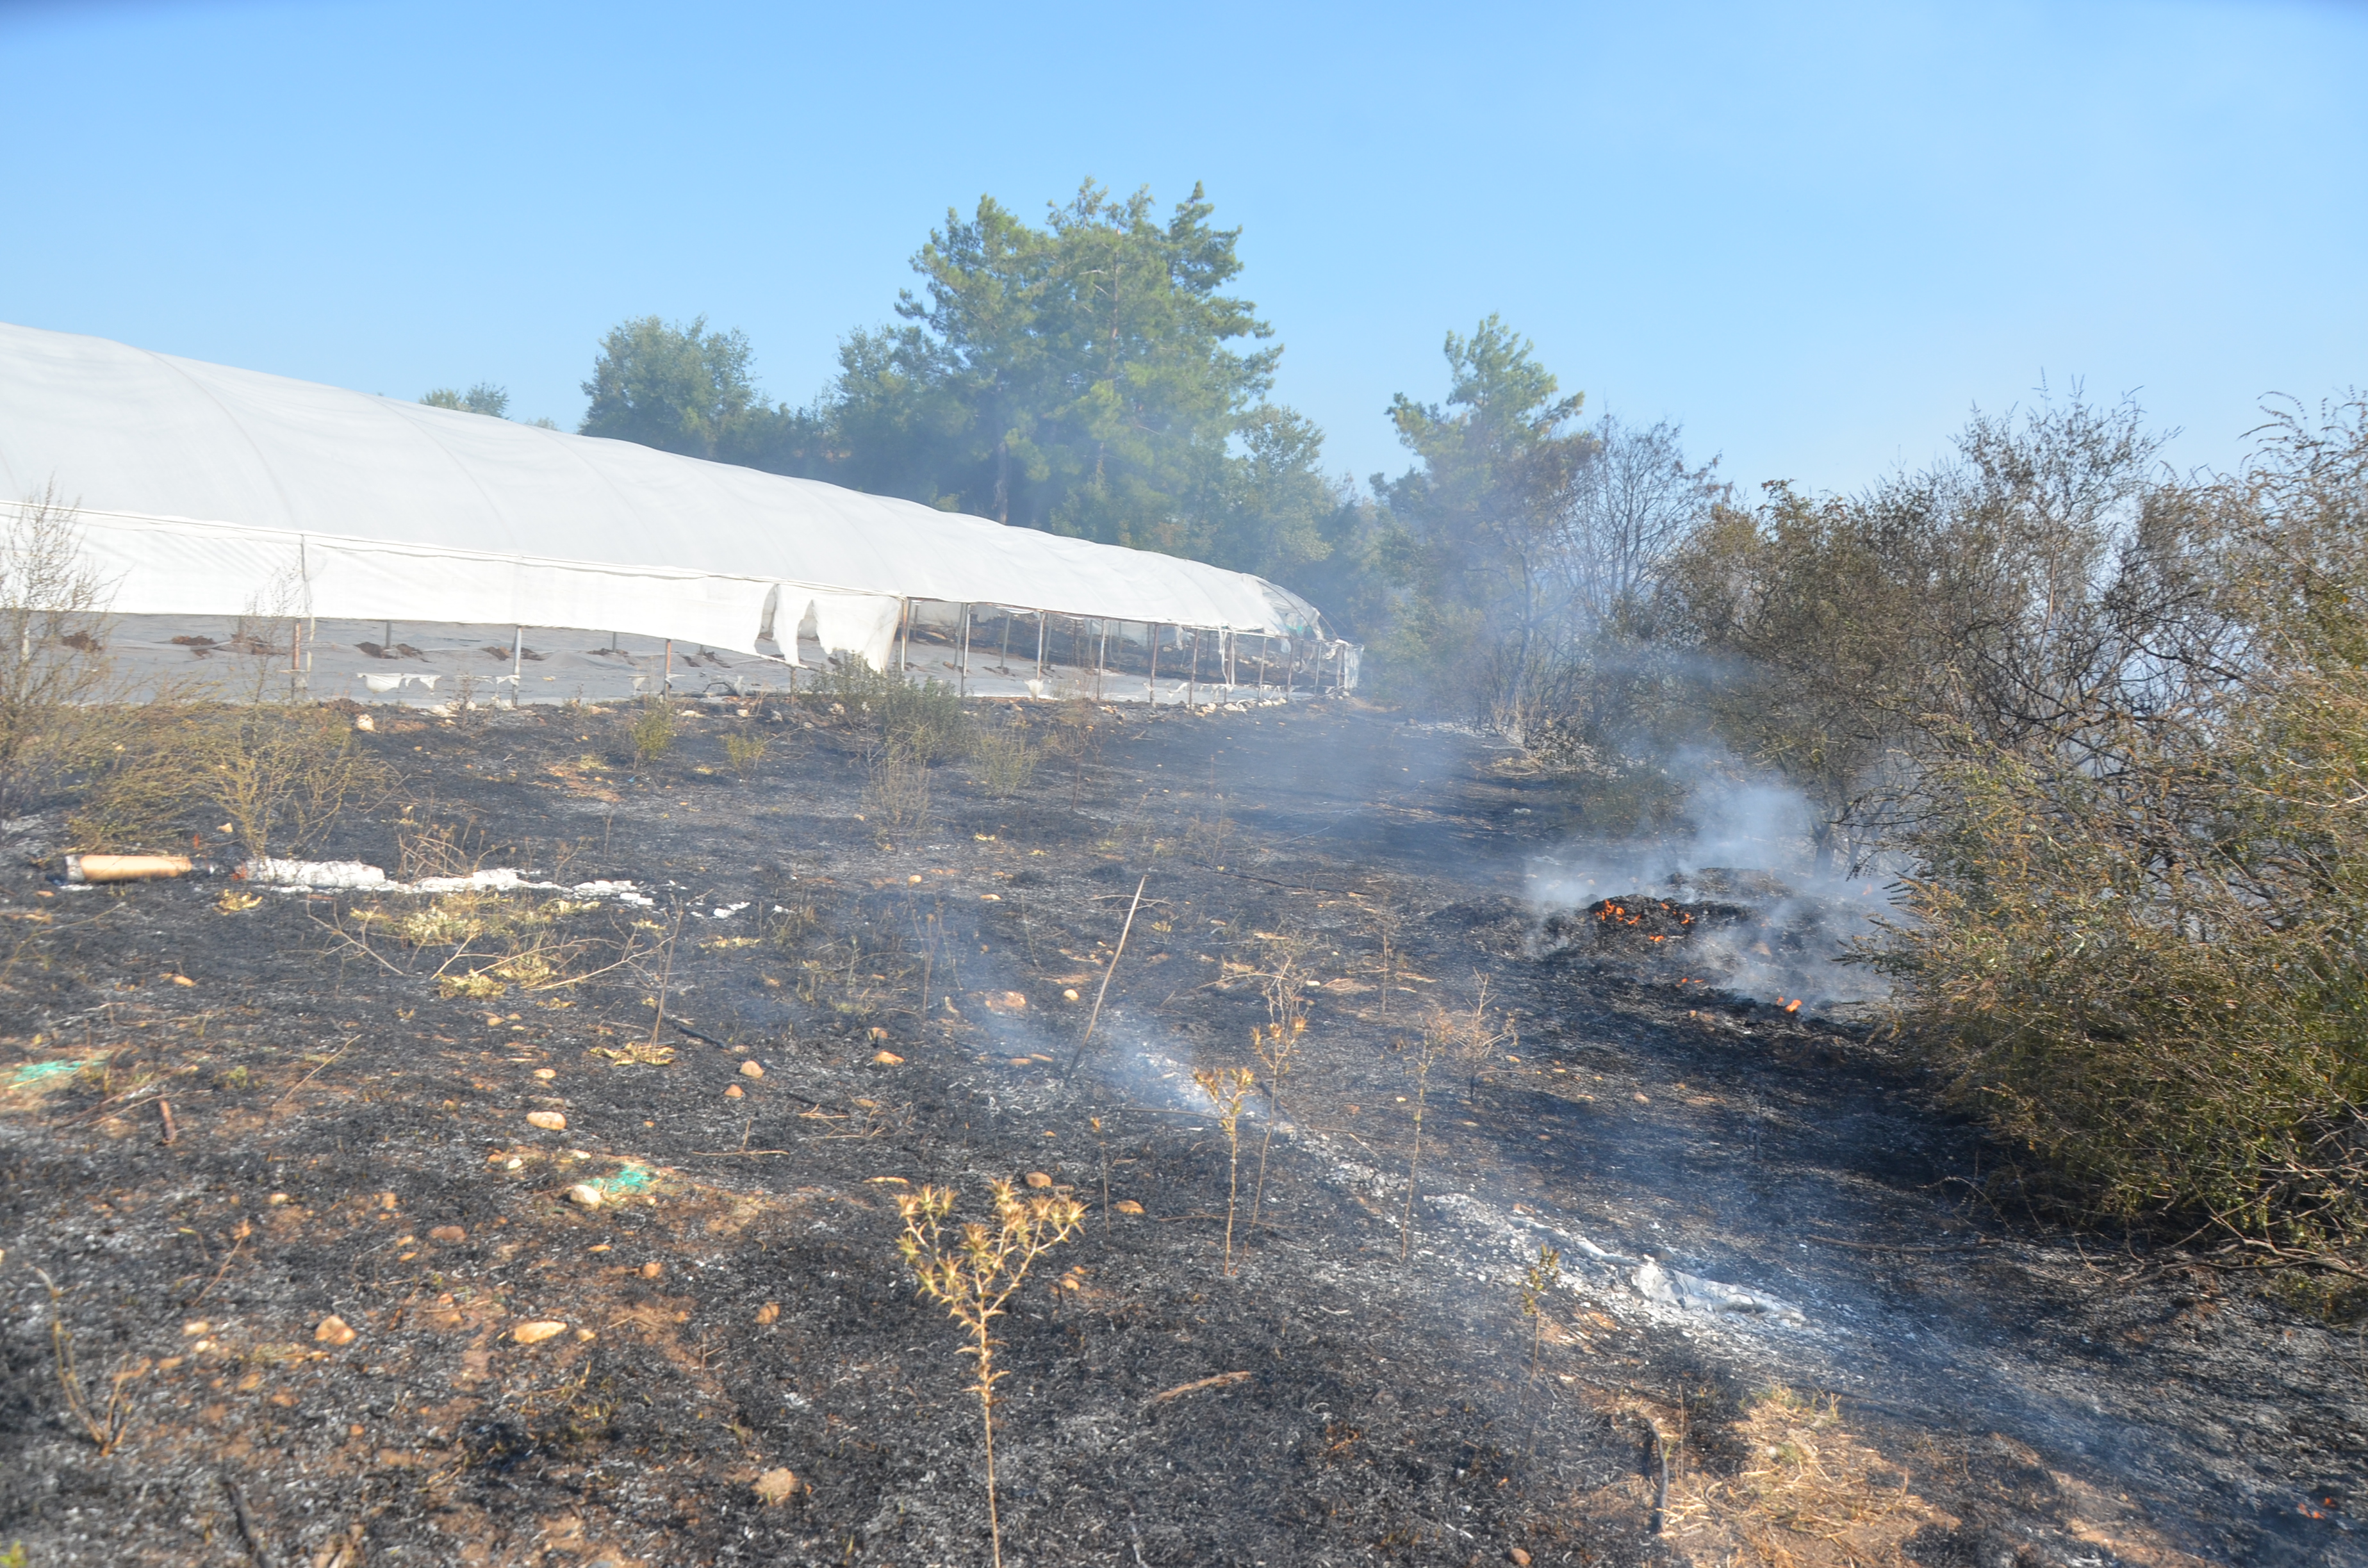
<point>534,1194</point>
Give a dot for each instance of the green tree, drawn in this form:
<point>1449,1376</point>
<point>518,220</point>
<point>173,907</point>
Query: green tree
<point>484,398</point>
<point>1477,527</point>
<point>681,388</point>
<point>1083,378</point>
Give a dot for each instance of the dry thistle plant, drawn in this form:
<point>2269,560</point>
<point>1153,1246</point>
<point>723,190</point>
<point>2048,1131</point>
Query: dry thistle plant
<point>1275,1046</point>
<point>1468,1037</point>
<point>974,1275</point>
<point>1226,1088</point>
<point>1539,1279</point>
<point>1427,1051</point>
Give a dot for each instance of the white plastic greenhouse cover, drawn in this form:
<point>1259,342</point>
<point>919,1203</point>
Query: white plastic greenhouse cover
<point>207,490</point>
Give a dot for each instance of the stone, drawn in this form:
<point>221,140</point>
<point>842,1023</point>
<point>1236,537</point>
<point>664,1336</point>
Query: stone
<point>335,1330</point>
<point>1519,1558</point>
<point>549,1120</point>
<point>886,1059</point>
<point>769,1313</point>
<point>535,1332</point>
<point>652,1269</point>
<point>1039,1180</point>
<point>733,1093</point>
<point>1127,1206</point>
<point>584,1195</point>
<point>447,1234</point>
<point>752,1068</point>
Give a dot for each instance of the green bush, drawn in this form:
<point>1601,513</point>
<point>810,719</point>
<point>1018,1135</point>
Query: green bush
<point>1007,762</point>
<point>2151,975</point>
<point>653,731</point>
<point>924,719</point>
<point>741,752</point>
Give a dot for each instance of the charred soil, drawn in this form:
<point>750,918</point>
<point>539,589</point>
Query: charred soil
<point>347,1303</point>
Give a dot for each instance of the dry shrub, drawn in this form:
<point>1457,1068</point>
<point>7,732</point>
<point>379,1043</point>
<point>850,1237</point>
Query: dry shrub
<point>53,659</point>
<point>741,752</point>
<point>652,731</point>
<point>923,717</point>
<point>148,771</point>
<point>282,775</point>
<point>1007,762</point>
<point>896,789</point>
<point>1809,1494</point>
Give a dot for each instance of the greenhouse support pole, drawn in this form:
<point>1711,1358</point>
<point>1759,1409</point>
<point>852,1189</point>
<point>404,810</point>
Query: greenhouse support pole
<point>1003,660</point>
<point>904,633</point>
<point>1154,684</point>
<point>962,665</point>
<point>1192,680</point>
<point>1041,619</point>
<point>517,652</point>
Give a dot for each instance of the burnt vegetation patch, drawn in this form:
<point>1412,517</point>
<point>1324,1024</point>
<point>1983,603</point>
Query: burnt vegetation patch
<point>518,1223</point>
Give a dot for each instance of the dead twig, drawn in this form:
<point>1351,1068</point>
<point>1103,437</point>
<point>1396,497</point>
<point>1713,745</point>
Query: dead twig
<point>104,1427</point>
<point>1221,1380</point>
<point>306,1079</point>
<point>164,1110</point>
<point>246,1528</point>
<point>1087,1037</point>
<point>230,1257</point>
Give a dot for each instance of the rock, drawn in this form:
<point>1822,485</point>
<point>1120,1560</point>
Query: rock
<point>365,723</point>
<point>1127,1206</point>
<point>546,1074</point>
<point>535,1332</point>
<point>1069,993</point>
<point>335,1330</point>
<point>549,1120</point>
<point>585,1195</point>
<point>752,1068</point>
<point>769,1313</point>
<point>779,1486</point>
<point>278,1199</point>
<point>1039,1180</point>
<point>886,1059</point>
<point>447,1234</point>
<point>197,1330</point>
<point>1519,1558</point>
<point>652,1269</point>
<point>733,1093</point>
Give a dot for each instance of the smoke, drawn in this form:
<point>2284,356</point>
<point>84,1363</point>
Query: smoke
<point>1726,895</point>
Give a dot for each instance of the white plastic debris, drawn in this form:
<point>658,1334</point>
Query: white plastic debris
<point>314,874</point>
<point>290,876</point>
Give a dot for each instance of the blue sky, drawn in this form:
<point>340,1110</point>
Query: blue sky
<point>1816,235</point>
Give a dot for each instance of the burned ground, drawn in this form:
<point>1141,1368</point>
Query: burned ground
<point>1776,1215</point>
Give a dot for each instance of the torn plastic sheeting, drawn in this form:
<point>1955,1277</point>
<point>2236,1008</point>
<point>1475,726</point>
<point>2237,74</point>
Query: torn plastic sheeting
<point>387,683</point>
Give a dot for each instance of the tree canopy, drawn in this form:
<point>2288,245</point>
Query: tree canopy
<point>681,388</point>
<point>484,398</point>
<point>1090,377</point>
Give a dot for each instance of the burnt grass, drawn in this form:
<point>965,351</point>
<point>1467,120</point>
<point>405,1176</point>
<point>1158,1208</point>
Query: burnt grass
<point>737,1307</point>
